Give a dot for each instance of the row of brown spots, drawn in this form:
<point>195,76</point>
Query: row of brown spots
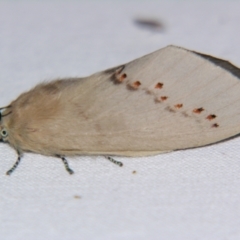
<point>159,85</point>
<point>198,110</point>
<point>209,117</point>
<point>135,85</point>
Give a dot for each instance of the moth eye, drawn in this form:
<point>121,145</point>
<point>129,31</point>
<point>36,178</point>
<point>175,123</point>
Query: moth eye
<point>4,133</point>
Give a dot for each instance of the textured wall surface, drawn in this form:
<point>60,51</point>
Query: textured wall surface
<point>191,194</point>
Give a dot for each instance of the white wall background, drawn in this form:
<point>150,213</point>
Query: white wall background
<point>192,194</point>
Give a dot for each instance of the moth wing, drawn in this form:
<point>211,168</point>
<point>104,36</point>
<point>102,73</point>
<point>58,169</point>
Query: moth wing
<point>170,99</point>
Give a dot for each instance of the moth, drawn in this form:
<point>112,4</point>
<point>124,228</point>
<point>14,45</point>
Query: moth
<point>168,100</point>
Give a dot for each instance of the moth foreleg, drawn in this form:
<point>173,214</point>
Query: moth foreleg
<point>10,171</point>
<point>120,164</point>
<point>65,162</point>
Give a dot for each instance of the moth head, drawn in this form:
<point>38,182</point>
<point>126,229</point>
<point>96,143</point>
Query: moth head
<point>3,129</point>
<point>3,134</point>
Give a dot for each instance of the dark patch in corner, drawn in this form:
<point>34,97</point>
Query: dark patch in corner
<point>221,63</point>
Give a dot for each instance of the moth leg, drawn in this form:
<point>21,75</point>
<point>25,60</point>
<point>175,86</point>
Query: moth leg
<point>11,170</point>
<point>65,162</point>
<point>120,164</point>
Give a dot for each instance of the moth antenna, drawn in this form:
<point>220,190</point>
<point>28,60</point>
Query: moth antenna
<point>4,114</point>
<point>65,162</point>
<point>5,107</point>
<point>11,170</point>
<point>120,164</point>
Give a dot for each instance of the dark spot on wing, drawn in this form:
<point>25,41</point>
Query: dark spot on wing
<point>159,85</point>
<point>198,110</point>
<point>211,116</point>
<point>180,105</point>
<point>135,85</point>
